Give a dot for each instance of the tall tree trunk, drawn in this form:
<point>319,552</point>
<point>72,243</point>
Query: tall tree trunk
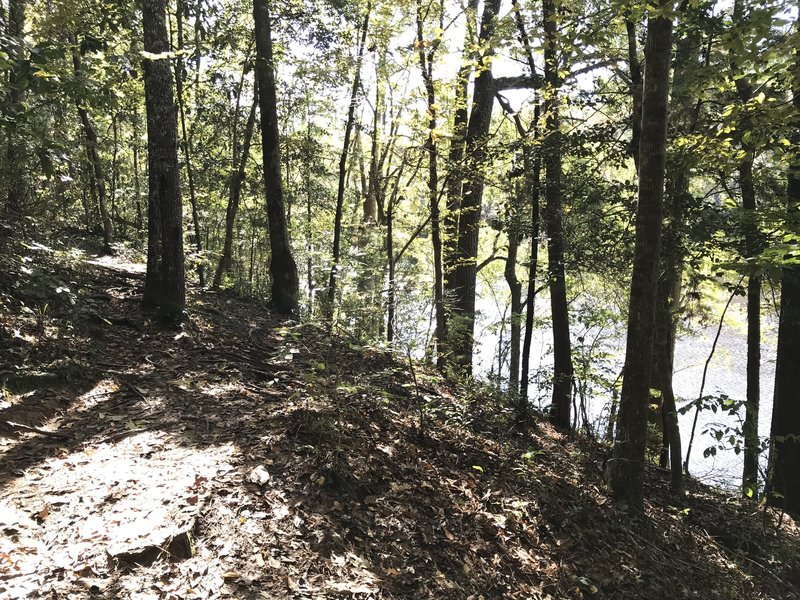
<point>514,227</point>
<point>668,295</point>
<point>348,129</point>
<point>455,156</point>
<point>137,188</point>
<point>285,281</point>
<point>534,175</point>
<point>373,186</point>
<point>165,285</point>
<point>784,461</point>
<point>115,168</point>
<point>635,74</point>
<point>533,167</point>
<point>186,142</point>
<point>515,288</point>
<point>553,217</point>
<point>391,294</point>
<point>236,179</point>
<point>15,152</point>
<point>626,469</point>
<point>750,250</point>
<point>92,152</point>
<point>426,51</point>
<point>462,320</point>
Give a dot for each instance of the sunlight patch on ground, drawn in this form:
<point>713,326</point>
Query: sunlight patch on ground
<point>79,511</point>
<point>118,264</point>
<point>97,395</point>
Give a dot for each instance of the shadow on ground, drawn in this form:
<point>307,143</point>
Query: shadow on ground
<point>303,467</point>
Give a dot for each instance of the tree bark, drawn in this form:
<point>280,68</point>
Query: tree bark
<point>455,156</point>
<point>683,119</point>
<point>237,179</point>
<point>626,469</point>
<point>164,282</point>
<point>15,152</point>
<point>533,167</point>
<point>514,227</point>
<point>534,174</point>
<point>285,280</point>
<point>186,143</point>
<point>426,51</point>
<point>515,288</point>
<point>463,282</point>
<point>635,73</point>
<point>92,152</point>
<point>348,129</point>
<point>753,395</point>
<point>553,218</point>
<point>784,461</point>
<point>750,250</point>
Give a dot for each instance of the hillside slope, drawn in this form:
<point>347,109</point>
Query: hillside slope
<point>245,456</point>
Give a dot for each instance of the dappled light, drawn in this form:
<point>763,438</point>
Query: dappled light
<point>379,299</point>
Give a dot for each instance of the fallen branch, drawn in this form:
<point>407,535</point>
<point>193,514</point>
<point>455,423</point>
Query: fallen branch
<point>12,427</point>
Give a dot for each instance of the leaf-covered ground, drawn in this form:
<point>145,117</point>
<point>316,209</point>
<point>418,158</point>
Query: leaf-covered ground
<point>245,456</point>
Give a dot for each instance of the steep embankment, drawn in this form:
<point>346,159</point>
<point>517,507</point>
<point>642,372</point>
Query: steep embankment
<point>249,457</point>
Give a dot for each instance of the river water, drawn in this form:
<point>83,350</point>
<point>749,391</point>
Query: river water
<point>603,345</point>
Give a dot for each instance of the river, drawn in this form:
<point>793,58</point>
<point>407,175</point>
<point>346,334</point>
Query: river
<point>603,345</point>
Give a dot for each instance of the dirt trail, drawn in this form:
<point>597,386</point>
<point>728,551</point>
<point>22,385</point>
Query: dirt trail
<point>244,456</point>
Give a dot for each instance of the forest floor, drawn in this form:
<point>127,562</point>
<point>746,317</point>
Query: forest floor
<point>247,456</point>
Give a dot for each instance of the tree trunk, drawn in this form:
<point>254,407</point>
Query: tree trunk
<point>455,157</point>
<point>426,53</point>
<point>784,460</point>
<point>514,228</point>
<point>164,283</point>
<point>515,288</point>
<point>750,250</point>
<point>236,179</point>
<point>534,174</point>
<point>348,129</point>
<point>92,152</point>
<point>635,74</point>
<point>285,281</point>
<point>462,321</point>
<point>753,398</point>
<point>15,152</point>
<point>115,168</point>
<point>683,119</point>
<point>553,217</point>
<point>626,470</point>
<point>373,187</point>
<point>186,143</point>
<point>533,167</point>
<point>390,296</point>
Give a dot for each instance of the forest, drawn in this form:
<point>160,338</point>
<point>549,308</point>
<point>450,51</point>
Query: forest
<point>399,299</point>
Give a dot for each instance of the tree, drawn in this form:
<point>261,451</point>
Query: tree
<point>463,279</point>
<point>164,282</point>
<point>683,120</point>
<point>92,152</point>
<point>783,486</point>
<point>426,49</point>
<point>285,281</point>
<point>551,150</point>
<point>186,142</point>
<point>236,180</point>
<point>348,130</point>
<point>17,82</point>
<point>750,250</point>
<point>626,469</point>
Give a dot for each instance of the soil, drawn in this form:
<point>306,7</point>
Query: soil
<point>244,455</point>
